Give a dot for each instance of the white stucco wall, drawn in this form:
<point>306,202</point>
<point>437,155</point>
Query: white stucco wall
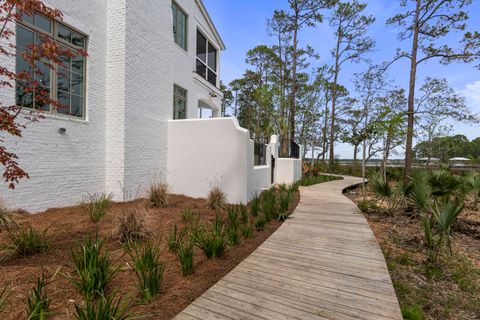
<point>208,152</point>
<point>288,170</point>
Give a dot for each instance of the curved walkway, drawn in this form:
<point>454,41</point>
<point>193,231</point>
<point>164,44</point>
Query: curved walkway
<point>323,263</point>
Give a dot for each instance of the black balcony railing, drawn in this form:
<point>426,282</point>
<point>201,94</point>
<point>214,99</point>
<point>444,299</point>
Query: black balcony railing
<point>289,149</point>
<point>260,154</point>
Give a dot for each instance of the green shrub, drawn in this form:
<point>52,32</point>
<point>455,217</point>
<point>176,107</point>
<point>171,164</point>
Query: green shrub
<point>366,206</point>
<point>38,302</point>
<point>216,199</point>
<point>102,309</point>
<point>243,214</point>
<point>312,179</point>
<point>260,223</point>
<point>97,206</point>
<point>213,243</point>
<point>92,268</point>
<point>255,206</point>
<point>185,256</point>
<point>158,195</point>
<point>284,198</point>
<point>132,226</point>
<point>383,190</point>
<point>148,268</point>
<point>247,230</point>
<point>176,237</point>
<point>3,298</point>
<point>269,205</point>
<point>27,241</point>
<point>233,226</point>
<point>412,313</point>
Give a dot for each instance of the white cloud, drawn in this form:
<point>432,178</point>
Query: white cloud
<point>472,93</point>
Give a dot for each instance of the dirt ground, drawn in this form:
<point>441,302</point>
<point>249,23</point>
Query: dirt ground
<point>454,291</point>
<point>68,226</point>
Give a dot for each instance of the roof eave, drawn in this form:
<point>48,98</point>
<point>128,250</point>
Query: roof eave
<point>211,24</point>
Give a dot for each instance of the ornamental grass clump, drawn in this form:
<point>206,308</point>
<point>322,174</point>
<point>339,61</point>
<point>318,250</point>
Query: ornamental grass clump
<point>233,226</point>
<point>148,269</point>
<point>260,223</point>
<point>176,237</point>
<point>213,243</point>
<point>92,268</point>
<point>158,195</point>
<point>26,241</point>
<point>6,220</point>
<point>38,302</point>
<point>103,308</point>
<point>132,226</point>
<point>191,219</point>
<point>255,205</point>
<point>247,230</point>
<point>269,205</point>
<point>216,198</point>
<point>185,255</point>
<point>98,206</point>
<point>3,298</point>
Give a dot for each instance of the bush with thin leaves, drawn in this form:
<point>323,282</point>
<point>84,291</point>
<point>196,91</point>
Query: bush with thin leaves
<point>3,298</point>
<point>260,223</point>
<point>6,220</point>
<point>191,219</point>
<point>213,243</point>
<point>148,269</point>
<point>103,308</point>
<point>27,241</point>
<point>247,230</point>
<point>93,270</point>
<point>185,256</point>
<point>255,205</point>
<point>268,204</point>
<point>38,302</point>
<point>158,195</point>
<point>176,237</point>
<point>243,214</point>
<point>216,198</point>
<point>132,225</point>
<point>98,206</point>
<point>233,226</point>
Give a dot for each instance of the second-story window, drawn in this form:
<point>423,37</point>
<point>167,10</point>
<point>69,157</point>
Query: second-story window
<point>206,59</point>
<point>179,26</point>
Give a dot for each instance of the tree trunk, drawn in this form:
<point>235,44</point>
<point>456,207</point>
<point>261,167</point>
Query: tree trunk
<point>355,151</point>
<point>411,96</point>
<point>334,99</point>
<point>294,79</point>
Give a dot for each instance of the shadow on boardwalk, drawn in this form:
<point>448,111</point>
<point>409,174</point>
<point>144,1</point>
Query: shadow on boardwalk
<point>323,263</point>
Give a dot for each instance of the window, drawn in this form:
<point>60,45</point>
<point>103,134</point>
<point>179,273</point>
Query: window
<point>179,26</point>
<point>206,59</point>
<point>179,102</point>
<point>64,83</point>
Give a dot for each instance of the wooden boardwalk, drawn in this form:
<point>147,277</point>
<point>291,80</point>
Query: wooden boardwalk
<point>323,263</point>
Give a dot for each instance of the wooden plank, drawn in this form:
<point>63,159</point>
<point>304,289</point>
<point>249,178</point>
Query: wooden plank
<point>323,263</point>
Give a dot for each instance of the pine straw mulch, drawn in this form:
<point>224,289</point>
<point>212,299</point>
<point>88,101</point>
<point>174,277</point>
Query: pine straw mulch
<point>454,291</point>
<point>68,226</point>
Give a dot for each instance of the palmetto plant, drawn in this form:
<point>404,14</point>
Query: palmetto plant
<point>443,183</point>
<point>383,190</point>
<point>445,216</point>
<point>472,184</point>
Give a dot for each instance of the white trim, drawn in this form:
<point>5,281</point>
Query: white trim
<point>211,24</point>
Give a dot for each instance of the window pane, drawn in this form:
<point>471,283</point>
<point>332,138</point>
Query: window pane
<point>42,73</point>
<point>212,77</point>
<point>201,47</point>
<point>201,69</point>
<point>43,23</point>
<point>24,38</point>
<point>78,39</point>
<point>76,108</point>
<point>77,64</point>
<point>77,84</point>
<point>65,59</point>
<point>64,33</point>
<point>22,98</point>
<point>179,102</point>
<point>63,98</point>
<point>212,57</point>
<point>63,80</point>
<point>23,66</point>
<point>27,18</point>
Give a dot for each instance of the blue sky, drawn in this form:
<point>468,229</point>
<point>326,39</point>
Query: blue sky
<point>242,24</point>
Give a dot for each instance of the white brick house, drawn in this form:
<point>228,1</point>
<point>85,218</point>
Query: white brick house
<point>115,137</point>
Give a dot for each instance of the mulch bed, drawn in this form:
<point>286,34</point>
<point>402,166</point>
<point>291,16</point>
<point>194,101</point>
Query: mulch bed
<point>68,226</point>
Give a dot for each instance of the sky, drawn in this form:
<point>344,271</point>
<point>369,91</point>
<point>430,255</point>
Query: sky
<point>242,25</point>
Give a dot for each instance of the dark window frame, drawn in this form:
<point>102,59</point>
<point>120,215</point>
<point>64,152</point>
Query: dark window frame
<point>203,68</point>
<point>176,22</point>
<point>184,98</point>
<point>53,73</point>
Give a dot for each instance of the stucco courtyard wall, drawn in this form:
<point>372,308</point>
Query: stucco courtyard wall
<point>288,170</point>
<point>209,152</point>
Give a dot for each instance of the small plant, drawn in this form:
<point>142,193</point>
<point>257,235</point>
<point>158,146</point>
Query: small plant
<point>212,243</point>
<point>185,256</point>
<point>148,268</point>
<point>233,226</point>
<point>243,214</point>
<point>284,202</point>
<point>260,223</point>
<point>247,230</point>
<point>98,206</point>
<point>383,190</point>
<point>190,218</point>
<point>255,205</point>
<point>93,269</point>
<point>175,238</point>
<point>269,205</point>
<point>3,298</point>
<point>27,241</point>
<point>216,198</point>
<point>158,195</point>
<point>38,303</point>
<point>6,220</point>
<point>102,309</point>
<point>132,226</point>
